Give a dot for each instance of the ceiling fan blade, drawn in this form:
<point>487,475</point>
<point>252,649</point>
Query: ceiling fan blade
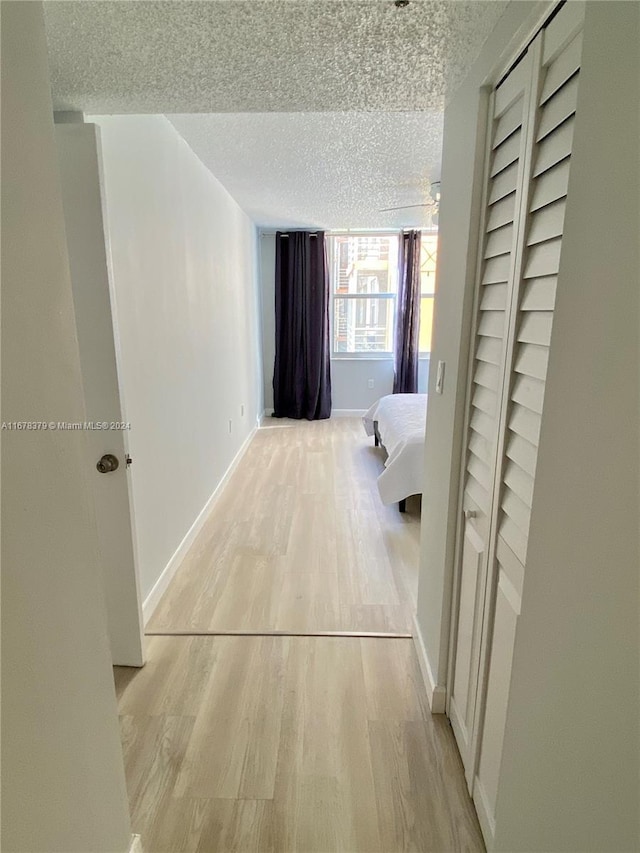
<point>405,207</point>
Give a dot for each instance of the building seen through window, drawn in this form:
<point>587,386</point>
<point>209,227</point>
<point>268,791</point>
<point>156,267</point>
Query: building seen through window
<point>364,286</point>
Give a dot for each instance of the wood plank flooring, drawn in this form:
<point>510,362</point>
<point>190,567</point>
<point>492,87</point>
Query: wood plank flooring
<point>282,744</point>
<point>300,541</point>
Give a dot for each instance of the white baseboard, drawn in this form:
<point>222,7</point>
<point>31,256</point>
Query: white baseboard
<point>335,413</point>
<point>151,601</point>
<point>347,413</point>
<point>136,844</point>
<point>485,819</point>
<point>436,695</point>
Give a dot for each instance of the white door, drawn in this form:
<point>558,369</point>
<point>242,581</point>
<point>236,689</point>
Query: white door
<point>556,57</point>
<point>78,155</point>
<point>505,163</point>
<point>527,167</point>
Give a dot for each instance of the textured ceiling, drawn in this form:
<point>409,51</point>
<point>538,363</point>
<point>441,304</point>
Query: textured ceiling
<point>133,56</point>
<point>311,112</point>
<point>329,170</point>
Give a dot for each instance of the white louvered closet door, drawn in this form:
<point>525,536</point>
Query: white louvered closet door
<point>496,528</point>
<point>503,200</point>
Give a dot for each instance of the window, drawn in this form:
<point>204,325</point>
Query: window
<point>364,283</point>
<point>428,259</point>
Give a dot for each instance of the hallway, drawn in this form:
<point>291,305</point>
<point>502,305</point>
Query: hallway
<point>299,541</point>
<point>293,743</point>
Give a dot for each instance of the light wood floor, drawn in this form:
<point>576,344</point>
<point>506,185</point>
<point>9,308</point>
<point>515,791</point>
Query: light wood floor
<point>300,541</point>
<point>274,744</point>
<point>283,744</point>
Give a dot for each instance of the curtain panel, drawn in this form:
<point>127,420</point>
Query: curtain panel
<point>407,337</point>
<point>302,369</point>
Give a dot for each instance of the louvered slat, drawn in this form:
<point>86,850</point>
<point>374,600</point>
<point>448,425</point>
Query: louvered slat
<point>514,538</point>
<point>523,453</point>
<point>478,494</point>
<point>485,400</point>
<point>509,122</point>
<point>511,89</point>
<point>494,297</point>
<point>482,424</point>
<point>499,242</point>
<point>526,423</point>
<point>554,147</point>
<point>532,360</point>
<point>506,153</point>
<point>502,212</point>
<point>496,270</point>
<point>516,510</point>
<point>564,67</point>
<point>487,375</point>
<point>551,185</point>
<point>490,350</point>
<point>510,564</point>
<point>481,448</point>
<point>521,483</point>
<point>479,471</point>
<point>547,223</point>
<point>505,183</point>
<point>528,392</point>
<point>539,294</point>
<point>491,324</point>
<point>558,108</point>
<point>535,328</point>
<point>543,259</point>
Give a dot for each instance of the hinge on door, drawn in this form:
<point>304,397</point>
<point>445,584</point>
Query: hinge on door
<point>128,460</point>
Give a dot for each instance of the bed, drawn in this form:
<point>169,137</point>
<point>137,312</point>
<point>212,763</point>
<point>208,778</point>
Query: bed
<point>398,422</point>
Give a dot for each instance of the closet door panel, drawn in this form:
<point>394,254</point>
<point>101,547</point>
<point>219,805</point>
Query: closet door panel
<point>507,610</point>
<point>495,278</point>
<point>465,679</point>
<point>529,322</point>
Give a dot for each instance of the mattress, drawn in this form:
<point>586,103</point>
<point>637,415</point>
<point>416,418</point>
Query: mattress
<point>401,422</point>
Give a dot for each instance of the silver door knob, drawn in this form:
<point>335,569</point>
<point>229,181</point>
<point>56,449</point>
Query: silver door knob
<point>470,513</point>
<point>107,463</point>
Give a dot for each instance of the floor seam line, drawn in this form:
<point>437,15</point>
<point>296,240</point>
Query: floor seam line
<point>338,634</point>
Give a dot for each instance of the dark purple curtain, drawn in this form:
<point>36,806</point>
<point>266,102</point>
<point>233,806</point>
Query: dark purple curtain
<point>407,341</point>
<point>302,373</point>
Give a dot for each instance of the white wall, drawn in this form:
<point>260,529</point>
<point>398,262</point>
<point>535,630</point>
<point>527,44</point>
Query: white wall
<point>572,740</point>
<point>464,129</point>
<point>63,785</point>
<point>184,262</point>
<point>349,376</point>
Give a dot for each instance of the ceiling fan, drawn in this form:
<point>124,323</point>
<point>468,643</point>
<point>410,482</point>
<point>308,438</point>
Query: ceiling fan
<point>434,191</point>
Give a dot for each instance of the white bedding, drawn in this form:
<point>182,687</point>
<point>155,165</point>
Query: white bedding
<point>401,424</point>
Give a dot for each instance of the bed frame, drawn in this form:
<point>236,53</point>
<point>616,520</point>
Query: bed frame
<point>402,505</point>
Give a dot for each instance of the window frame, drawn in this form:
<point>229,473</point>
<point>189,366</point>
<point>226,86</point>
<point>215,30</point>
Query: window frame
<point>369,355</point>
<point>386,355</point>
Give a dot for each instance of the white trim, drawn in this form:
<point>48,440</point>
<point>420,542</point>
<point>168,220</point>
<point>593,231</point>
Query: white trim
<point>265,417</point>
<point>136,844</point>
<point>436,694</point>
<point>160,586</point>
<point>485,819</point>
<point>347,413</point>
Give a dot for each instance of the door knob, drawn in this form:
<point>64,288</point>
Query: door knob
<point>107,463</point>
<point>469,513</point>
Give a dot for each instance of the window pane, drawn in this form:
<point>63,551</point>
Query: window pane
<point>365,263</point>
<point>363,325</point>
<point>426,322</point>
<point>428,259</point>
